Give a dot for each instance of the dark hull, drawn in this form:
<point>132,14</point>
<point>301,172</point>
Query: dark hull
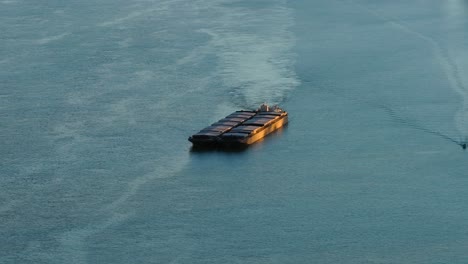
<point>239,130</point>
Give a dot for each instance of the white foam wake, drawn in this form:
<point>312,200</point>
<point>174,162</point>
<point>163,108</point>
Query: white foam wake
<point>49,39</point>
<point>254,51</point>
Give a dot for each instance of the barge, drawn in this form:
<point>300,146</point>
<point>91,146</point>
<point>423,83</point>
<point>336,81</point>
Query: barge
<point>241,128</point>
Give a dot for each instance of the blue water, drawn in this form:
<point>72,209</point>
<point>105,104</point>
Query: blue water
<point>97,100</point>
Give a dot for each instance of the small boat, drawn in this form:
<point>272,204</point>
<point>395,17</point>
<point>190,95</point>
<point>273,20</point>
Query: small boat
<point>241,128</point>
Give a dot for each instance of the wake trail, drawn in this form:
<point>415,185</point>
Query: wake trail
<point>256,65</point>
<point>442,55</point>
<point>411,123</point>
<point>447,64</point>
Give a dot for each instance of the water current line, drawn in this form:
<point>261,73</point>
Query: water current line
<point>449,67</point>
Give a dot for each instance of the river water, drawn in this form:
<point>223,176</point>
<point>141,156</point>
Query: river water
<point>97,100</point>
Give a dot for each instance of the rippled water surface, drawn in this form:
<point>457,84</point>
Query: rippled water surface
<point>97,100</point>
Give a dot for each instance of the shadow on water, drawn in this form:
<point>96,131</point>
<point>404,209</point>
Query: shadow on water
<point>211,149</point>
